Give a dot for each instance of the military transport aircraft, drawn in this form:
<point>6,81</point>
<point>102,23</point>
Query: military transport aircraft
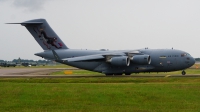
<point>109,62</point>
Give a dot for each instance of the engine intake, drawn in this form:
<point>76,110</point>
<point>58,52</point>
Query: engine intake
<point>120,61</point>
<point>141,59</point>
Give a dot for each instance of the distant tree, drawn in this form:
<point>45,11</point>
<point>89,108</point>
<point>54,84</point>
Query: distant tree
<point>197,59</point>
<point>15,60</point>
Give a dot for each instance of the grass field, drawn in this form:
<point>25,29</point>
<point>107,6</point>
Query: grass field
<point>100,94</point>
<point>97,94</point>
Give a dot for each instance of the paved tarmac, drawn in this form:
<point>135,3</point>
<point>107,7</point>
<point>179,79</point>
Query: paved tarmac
<point>27,71</point>
<point>44,73</point>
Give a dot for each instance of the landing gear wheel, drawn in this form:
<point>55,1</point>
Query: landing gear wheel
<point>117,74</point>
<point>109,74</point>
<point>127,73</point>
<point>183,72</point>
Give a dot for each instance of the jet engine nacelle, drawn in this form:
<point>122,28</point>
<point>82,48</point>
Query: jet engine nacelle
<point>141,59</point>
<point>120,61</point>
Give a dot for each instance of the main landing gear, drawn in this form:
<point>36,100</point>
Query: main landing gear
<point>127,73</point>
<point>117,74</point>
<point>109,74</point>
<point>183,72</point>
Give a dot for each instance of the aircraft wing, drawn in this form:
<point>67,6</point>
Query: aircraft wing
<point>105,56</point>
<point>84,58</point>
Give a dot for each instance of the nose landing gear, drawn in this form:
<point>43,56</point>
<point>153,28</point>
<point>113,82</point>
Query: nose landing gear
<point>183,72</point>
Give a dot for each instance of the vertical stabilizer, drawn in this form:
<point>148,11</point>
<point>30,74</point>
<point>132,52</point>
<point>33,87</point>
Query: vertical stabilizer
<point>44,34</point>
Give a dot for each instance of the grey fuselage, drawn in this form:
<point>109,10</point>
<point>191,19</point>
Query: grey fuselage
<point>162,60</point>
<point>105,61</point>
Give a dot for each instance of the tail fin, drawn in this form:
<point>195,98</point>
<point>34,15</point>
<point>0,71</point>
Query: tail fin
<point>43,34</point>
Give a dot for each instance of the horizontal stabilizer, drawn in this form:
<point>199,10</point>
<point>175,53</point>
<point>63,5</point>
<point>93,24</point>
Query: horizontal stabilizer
<point>55,55</point>
<point>28,23</point>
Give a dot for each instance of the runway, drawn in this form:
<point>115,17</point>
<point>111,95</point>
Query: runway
<point>45,73</point>
<point>27,71</point>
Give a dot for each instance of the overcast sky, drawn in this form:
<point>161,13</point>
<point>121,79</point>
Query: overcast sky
<point>97,24</point>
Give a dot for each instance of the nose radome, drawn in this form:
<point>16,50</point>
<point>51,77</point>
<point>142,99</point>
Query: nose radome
<point>192,61</point>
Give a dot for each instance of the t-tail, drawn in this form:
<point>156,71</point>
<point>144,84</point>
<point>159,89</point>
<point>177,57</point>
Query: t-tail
<point>43,34</point>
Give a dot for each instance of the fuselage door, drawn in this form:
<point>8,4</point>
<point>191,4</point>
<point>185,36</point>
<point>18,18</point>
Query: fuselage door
<point>172,62</point>
<point>162,61</point>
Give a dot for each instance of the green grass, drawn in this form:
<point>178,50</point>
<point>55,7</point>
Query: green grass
<point>100,94</point>
<point>97,94</point>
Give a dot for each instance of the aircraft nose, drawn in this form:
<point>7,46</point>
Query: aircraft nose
<point>192,61</point>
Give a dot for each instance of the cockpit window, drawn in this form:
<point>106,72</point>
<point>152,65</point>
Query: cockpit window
<point>185,54</point>
<point>182,55</point>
